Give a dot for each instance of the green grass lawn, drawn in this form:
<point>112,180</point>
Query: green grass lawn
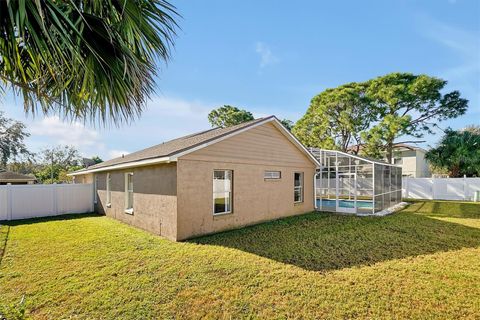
<point>423,262</point>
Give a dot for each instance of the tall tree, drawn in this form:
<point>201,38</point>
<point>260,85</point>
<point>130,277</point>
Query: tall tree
<point>288,124</point>
<point>408,104</point>
<point>12,136</point>
<point>335,118</point>
<point>458,153</point>
<point>228,116</point>
<point>84,59</point>
<point>97,159</point>
<point>57,162</point>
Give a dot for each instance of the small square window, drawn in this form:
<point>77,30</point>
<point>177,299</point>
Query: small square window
<point>272,175</point>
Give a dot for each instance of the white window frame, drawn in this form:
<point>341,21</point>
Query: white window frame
<point>108,183</point>
<point>95,189</point>
<point>299,188</point>
<point>398,161</point>
<point>271,175</point>
<point>230,192</point>
<point>128,206</point>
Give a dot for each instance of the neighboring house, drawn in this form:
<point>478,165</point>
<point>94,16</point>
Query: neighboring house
<point>207,182</point>
<point>86,162</point>
<point>410,158</point>
<point>8,177</point>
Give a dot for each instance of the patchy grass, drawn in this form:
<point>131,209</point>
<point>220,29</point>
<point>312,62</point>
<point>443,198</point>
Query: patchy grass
<point>420,263</point>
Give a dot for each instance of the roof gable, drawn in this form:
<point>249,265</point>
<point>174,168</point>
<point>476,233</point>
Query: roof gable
<point>262,144</point>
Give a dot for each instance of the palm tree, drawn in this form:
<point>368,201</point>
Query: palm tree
<point>458,152</point>
<point>84,59</point>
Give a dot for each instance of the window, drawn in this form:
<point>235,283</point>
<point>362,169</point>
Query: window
<point>95,185</point>
<point>109,190</point>
<point>272,175</point>
<point>222,191</point>
<point>129,192</point>
<point>398,161</point>
<point>298,187</point>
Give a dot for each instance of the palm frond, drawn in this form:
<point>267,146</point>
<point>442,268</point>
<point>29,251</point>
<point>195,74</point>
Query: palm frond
<point>85,59</point>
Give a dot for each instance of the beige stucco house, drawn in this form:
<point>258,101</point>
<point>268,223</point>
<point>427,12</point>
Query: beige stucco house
<point>412,160</point>
<point>207,182</point>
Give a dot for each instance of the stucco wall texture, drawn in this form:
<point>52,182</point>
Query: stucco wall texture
<point>154,198</point>
<point>175,200</point>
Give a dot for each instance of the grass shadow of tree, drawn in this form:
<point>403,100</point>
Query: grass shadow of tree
<point>323,241</point>
<point>71,216</point>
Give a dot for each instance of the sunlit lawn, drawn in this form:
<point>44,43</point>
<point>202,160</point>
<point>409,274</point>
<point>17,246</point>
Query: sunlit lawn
<point>421,263</point>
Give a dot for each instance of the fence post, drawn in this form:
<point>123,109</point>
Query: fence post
<point>9,202</point>
<point>433,188</point>
<point>464,187</point>
<point>55,200</point>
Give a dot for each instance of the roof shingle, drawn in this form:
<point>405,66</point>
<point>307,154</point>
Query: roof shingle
<point>11,176</point>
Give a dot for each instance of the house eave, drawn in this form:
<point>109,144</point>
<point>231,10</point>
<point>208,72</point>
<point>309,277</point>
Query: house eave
<point>127,165</point>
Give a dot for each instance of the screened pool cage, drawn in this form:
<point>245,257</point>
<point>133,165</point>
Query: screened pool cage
<point>352,184</point>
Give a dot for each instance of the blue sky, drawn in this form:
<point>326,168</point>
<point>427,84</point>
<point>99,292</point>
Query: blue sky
<point>272,57</point>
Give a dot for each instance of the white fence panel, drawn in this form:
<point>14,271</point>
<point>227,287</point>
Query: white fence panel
<point>31,201</point>
<point>75,199</point>
<point>421,188</point>
<point>440,188</point>
<point>3,204</point>
<point>473,187</point>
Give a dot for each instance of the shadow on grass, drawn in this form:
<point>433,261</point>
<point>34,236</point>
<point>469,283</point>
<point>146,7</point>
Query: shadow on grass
<point>4,233</point>
<point>323,241</point>
<point>47,219</point>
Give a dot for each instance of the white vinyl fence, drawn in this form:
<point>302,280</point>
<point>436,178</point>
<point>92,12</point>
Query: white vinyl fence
<point>440,188</point>
<point>44,200</point>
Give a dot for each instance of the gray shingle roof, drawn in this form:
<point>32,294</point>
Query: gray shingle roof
<point>10,176</point>
<point>177,145</point>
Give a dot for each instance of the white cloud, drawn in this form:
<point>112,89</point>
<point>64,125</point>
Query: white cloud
<point>266,55</point>
<point>174,107</point>
<point>465,44</point>
<point>69,133</point>
<point>165,118</point>
<point>463,74</point>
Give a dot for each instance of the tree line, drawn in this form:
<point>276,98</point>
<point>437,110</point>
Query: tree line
<point>365,118</point>
<point>50,165</point>
<point>371,118</point>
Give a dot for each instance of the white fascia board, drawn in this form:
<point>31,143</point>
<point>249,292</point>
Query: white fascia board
<point>174,157</point>
<point>127,165</point>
